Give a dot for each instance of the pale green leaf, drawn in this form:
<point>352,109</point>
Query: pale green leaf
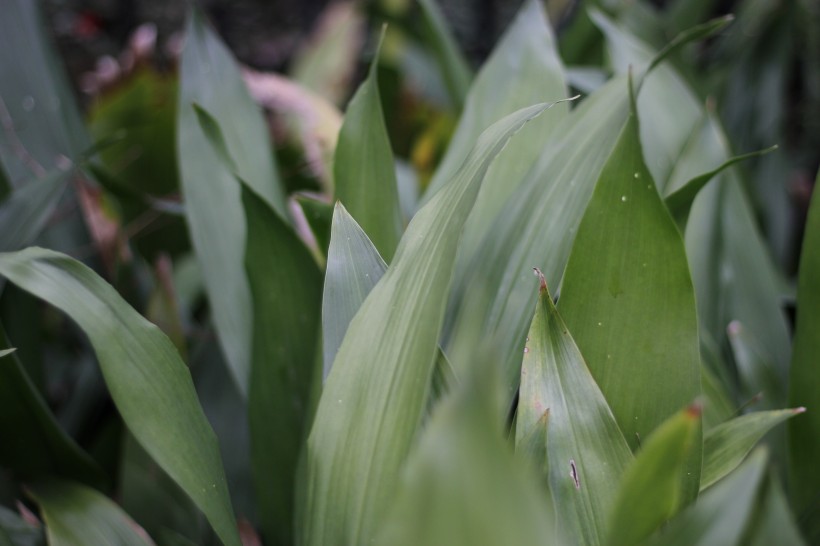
<point>210,78</point>
<point>376,392</point>
<point>650,491</point>
<point>286,286</point>
<point>776,524</point>
<point>586,453</point>
<point>628,300</point>
<point>726,445</point>
<point>75,514</point>
<point>804,386</point>
<point>148,382</point>
<point>363,169</point>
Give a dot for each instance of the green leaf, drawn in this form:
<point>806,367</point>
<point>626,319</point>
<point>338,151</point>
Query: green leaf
<point>75,514</point>
<point>210,78</point>
<point>25,212</point>
<point>722,514</point>
<point>804,386</point>
<point>40,446</point>
<point>535,229</point>
<point>717,406</point>
<point>461,484</point>
<point>650,491</point>
<point>286,286</point>
<point>679,202</point>
<point>363,169</point>
<point>523,69</point>
<point>15,531</point>
<point>35,98</point>
<point>148,382</point>
<point>775,523</point>
<point>726,445</point>
<point>586,452</point>
<point>319,216</point>
<point>454,69</point>
<point>354,266</point>
<point>628,300</point>
<point>376,392</point>
<point>757,372</point>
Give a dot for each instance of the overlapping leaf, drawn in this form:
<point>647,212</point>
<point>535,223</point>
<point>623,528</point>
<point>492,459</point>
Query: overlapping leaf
<point>25,212</point>
<point>148,382</point>
<point>210,78</point>
<point>375,394</point>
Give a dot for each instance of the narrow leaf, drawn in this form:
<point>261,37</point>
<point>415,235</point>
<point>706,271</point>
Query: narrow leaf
<point>454,69</point>
<point>363,169</point>
<point>722,514</point>
<point>75,514</point>
<point>40,447</point>
<point>210,78</point>
<point>375,394</point>
<point>804,386</point>
<point>148,382</point>
<point>25,212</point>
<point>628,299</point>
<point>726,445</point>
<point>286,286</point>
<point>586,452</point>
<point>650,491</point>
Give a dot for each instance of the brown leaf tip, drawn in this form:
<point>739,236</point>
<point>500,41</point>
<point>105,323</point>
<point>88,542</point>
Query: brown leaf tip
<point>694,410</point>
<point>541,278</point>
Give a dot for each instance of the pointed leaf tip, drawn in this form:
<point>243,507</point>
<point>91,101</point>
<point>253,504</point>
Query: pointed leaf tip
<point>542,280</point>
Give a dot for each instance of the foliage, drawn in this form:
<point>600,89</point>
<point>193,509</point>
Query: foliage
<point>209,335</point>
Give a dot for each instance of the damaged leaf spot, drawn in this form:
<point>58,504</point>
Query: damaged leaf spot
<point>573,471</point>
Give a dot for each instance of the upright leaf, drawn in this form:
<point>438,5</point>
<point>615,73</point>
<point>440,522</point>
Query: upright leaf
<point>210,77</point>
<point>25,212</point>
<point>461,484</point>
<point>722,514</point>
<point>286,286</point>
<point>75,514</point>
<point>586,452</point>
<point>650,491</point>
<point>375,395</point>
<point>148,382</point>
<point>354,266</point>
<point>628,299</point>
<point>726,445</point>
<point>363,169</point>
<point>39,446</point>
<point>804,386</point>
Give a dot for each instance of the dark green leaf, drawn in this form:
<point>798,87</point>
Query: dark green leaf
<point>149,383</point>
<point>25,212</point>
<point>319,216</point>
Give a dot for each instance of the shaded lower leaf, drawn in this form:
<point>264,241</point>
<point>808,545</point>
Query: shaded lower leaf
<point>726,445</point>
<point>15,531</point>
<point>148,382</point>
<point>651,491</point>
<point>34,444</point>
<point>586,454</point>
<point>319,216</point>
<point>775,524</point>
<point>26,210</point>
<point>75,514</point>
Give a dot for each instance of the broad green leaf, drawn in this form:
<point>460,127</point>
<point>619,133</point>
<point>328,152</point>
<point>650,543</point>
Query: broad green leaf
<point>523,69</point>
<point>535,228</point>
<point>210,78</point>
<point>25,212</point>
<point>775,524</point>
<point>628,300</point>
<point>804,386</point>
<point>679,202</point>
<point>364,174</point>
<point>454,69</point>
<point>39,447</point>
<point>722,514</point>
<point>15,531</point>
<point>75,514</point>
<point>586,452</point>
<point>461,483</point>
<point>376,392</point>
<point>650,491</point>
<point>148,382</point>
<point>42,127</point>
<point>726,445</point>
<point>354,266</point>
<point>286,286</point>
